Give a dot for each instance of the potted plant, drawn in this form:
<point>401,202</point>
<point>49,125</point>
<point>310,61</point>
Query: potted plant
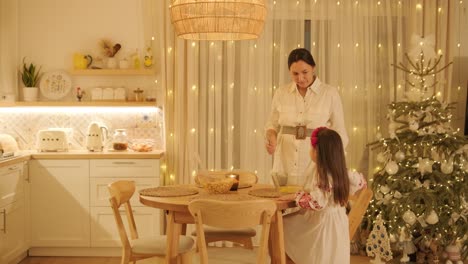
<point>30,76</point>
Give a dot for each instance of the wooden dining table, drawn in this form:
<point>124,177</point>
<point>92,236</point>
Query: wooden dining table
<point>178,216</point>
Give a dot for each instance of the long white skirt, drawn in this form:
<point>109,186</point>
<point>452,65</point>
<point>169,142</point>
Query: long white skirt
<point>318,237</point>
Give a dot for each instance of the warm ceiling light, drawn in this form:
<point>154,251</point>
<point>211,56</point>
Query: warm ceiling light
<point>218,19</point>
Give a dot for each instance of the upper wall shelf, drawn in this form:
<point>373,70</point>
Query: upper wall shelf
<point>78,104</point>
<point>112,72</point>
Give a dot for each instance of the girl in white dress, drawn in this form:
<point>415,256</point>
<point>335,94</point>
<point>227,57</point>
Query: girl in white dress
<point>319,232</point>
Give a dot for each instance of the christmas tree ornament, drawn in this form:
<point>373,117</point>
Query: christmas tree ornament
<point>392,127</point>
<point>446,166</point>
<point>397,195</point>
<point>413,125</point>
<point>435,154</point>
<point>406,244</point>
<point>399,156</point>
<point>441,129</point>
<point>391,167</point>
<point>424,165</point>
<point>384,189</point>
<point>452,254</point>
<point>381,157</point>
<point>409,217</point>
<point>378,243</point>
<point>432,218</point>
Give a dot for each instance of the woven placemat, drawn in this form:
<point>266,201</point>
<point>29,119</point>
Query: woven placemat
<point>225,197</point>
<point>265,192</point>
<point>168,191</point>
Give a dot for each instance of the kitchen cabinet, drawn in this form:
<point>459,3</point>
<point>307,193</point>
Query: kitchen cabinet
<point>13,235</point>
<point>59,203</point>
<point>12,187</point>
<point>145,174</point>
<point>13,230</point>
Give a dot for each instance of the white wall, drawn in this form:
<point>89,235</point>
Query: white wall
<point>51,31</point>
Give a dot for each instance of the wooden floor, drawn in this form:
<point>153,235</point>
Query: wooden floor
<point>108,260</point>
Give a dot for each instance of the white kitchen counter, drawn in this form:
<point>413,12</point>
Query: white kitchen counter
<point>82,154</point>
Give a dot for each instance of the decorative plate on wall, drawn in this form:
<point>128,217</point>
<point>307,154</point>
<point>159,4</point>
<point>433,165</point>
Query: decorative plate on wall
<point>55,85</point>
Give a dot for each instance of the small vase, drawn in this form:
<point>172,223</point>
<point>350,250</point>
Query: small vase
<point>30,94</point>
<point>112,63</point>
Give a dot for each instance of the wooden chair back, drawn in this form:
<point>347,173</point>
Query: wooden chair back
<point>121,192</point>
<point>245,177</point>
<point>232,214</point>
<point>359,204</point>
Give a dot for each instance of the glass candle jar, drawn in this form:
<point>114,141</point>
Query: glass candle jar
<point>120,139</point>
<point>235,178</point>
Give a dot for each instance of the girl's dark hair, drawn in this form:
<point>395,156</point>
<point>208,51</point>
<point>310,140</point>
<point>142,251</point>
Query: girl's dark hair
<point>331,161</point>
<point>300,55</point>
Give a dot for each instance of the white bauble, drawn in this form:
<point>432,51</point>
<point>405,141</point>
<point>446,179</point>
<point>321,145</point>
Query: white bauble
<point>446,166</point>
<point>391,167</point>
<point>432,218</point>
<point>381,157</point>
<point>409,217</point>
<point>384,189</point>
<point>399,156</point>
<point>397,195</point>
<point>413,125</point>
<point>441,129</point>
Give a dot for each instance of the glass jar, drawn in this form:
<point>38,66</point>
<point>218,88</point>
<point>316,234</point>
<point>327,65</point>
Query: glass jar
<point>120,139</point>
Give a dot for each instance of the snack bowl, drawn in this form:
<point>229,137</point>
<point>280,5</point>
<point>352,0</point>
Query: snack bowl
<point>219,186</point>
<point>142,145</point>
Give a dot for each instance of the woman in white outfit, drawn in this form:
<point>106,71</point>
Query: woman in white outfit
<point>319,232</point>
<point>296,110</point>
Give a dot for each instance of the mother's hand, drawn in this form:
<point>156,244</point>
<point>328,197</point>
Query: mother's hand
<point>271,142</point>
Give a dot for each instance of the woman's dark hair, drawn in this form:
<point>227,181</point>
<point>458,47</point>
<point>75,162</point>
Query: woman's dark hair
<point>331,161</point>
<point>300,54</point>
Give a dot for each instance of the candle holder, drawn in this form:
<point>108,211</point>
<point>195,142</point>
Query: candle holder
<point>235,178</point>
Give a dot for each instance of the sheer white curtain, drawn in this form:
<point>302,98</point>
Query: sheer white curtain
<point>218,94</point>
<point>8,47</point>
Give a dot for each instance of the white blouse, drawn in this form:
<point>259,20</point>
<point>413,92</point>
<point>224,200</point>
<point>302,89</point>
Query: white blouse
<point>321,106</point>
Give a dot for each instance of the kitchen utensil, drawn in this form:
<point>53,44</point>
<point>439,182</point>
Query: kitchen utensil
<point>96,137</point>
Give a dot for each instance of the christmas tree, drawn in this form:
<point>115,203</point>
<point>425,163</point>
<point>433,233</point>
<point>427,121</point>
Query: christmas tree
<point>378,244</point>
<point>422,184</point>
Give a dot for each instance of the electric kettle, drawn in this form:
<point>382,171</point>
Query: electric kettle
<point>96,137</point>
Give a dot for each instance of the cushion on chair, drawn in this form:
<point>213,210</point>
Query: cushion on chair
<point>215,231</point>
<point>157,245</point>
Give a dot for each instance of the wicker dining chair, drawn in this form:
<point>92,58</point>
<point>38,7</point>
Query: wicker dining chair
<point>231,215</point>
<point>136,248</point>
<point>242,236</point>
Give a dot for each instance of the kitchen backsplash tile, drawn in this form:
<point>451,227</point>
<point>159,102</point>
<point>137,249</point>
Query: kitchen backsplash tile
<point>24,126</point>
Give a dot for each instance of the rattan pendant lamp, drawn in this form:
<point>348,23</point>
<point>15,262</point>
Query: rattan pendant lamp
<point>218,19</point>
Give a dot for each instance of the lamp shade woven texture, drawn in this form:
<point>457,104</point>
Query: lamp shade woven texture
<point>218,19</point>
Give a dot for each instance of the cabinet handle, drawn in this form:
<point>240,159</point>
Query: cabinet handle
<point>28,178</point>
<point>12,168</point>
<point>123,162</point>
<point>4,221</point>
